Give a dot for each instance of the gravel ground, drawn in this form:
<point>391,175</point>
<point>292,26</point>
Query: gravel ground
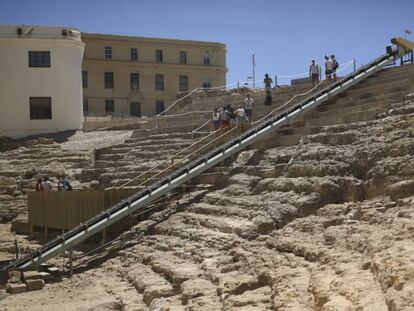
<point>99,139</point>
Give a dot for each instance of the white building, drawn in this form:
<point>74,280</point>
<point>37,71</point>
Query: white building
<point>40,80</point>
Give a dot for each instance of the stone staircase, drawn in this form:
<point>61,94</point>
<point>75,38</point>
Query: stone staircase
<point>119,164</point>
<point>199,110</point>
<point>392,81</point>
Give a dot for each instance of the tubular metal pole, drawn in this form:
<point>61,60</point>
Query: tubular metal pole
<point>275,81</point>
<point>71,262</point>
<point>254,76</point>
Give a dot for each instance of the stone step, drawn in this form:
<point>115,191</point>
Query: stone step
<point>160,142</point>
<point>384,90</point>
<point>154,134</point>
<point>293,137</point>
<point>342,111</point>
<point>156,149</point>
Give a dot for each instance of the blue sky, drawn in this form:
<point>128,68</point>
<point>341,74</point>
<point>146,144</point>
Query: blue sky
<point>284,35</point>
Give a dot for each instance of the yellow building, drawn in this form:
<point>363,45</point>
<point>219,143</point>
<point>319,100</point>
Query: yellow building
<point>136,76</point>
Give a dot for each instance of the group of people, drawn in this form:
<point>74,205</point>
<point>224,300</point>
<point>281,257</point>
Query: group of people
<point>228,116</point>
<point>331,65</point>
<point>45,185</point>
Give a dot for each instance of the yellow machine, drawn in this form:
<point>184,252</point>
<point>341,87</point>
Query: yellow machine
<point>406,45</point>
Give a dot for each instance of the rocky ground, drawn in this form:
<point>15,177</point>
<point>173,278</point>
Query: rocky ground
<point>325,225</point>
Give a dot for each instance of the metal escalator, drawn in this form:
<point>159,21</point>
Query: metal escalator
<point>179,176</point>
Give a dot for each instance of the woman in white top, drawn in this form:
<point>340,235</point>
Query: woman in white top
<point>216,119</point>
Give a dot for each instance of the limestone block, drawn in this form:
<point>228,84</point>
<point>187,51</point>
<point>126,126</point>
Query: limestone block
<point>31,275</point>
<point>157,291</point>
<point>15,277</point>
<point>16,288</point>
<point>54,271</point>
<point>401,189</point>
<point>194,288</point>
<point>35,284</point>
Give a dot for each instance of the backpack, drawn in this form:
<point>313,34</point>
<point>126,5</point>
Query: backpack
<point>335,64</point>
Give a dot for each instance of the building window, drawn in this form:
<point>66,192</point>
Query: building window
<point>206,83</point>
<point>206,59</point>
<point>85,107</point>
<point>134,54</point>
<point>158,56</point>
<point>183,83</point>
<point>40,108</point>
<point>134,80</point>
<point>84,79</point>
<point>135,109</point>
<point>109,80</point>
<point>108,52</point>
<point>39,59</point>
<point>183,57</point>
<point>159,107</point>
<point>159,82</point>
<point>109,106</point>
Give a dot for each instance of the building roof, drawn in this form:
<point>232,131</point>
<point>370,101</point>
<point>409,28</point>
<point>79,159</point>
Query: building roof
<point>110,37</point>
<point>39,32</point>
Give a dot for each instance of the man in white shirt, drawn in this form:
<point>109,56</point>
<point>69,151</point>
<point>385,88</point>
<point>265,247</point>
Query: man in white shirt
<point>314,72</point>
<point>241,117</point>
<point>328,68</point>
<point>248,107</point>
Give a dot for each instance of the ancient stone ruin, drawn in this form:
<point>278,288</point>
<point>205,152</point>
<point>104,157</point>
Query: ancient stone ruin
<point>318,216</point>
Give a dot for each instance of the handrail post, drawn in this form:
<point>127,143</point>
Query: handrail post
<point>71,262</point>
<point>354,64</point>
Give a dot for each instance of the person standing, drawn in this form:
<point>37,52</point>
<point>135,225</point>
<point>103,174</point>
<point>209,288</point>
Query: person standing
<point>314,72</point>
<point>335,66</point>
<point>39,186</point>
<point>216,119</point>
<point>66,183</point>
<point>224,119</point>
<point>47,186</point>
<point>267,82</point>
<point>61,183</point>
<point>241,118</point>
<point>248,107</point>
<point>328,69</point>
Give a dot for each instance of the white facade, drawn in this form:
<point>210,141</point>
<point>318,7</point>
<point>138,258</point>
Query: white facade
<point>20,81</point>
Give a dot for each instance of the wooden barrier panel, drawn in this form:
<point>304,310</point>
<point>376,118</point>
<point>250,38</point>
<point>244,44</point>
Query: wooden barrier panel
<point>66,209</point>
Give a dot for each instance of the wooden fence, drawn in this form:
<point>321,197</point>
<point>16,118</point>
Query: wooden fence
<point>66,209</point>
